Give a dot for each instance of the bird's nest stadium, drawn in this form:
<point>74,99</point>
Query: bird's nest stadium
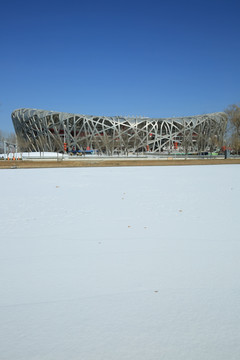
<point>41,130</point>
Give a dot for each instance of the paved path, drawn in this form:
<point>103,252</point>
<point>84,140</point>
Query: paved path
<point>25,164</point>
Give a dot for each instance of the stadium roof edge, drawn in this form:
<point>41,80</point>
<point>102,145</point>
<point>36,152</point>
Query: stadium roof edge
<point>42,113</point>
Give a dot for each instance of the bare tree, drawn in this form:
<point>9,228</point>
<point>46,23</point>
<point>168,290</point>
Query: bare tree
<point>9,138</point>
<point>213,142</point>
<point>1,135</point>
<point>235,143</point>
<point>233,128</point>
<point>1,142</point>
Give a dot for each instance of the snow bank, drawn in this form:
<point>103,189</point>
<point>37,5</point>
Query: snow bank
<point>33,155</point>
<point>120,263</point>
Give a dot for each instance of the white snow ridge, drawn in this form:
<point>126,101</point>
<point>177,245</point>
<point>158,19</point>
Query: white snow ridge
<point>120,263</point>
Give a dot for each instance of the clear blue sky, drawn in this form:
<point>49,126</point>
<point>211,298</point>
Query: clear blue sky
<point>149,58</point>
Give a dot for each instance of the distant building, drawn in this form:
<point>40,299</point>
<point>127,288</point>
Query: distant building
<point>40,130</point>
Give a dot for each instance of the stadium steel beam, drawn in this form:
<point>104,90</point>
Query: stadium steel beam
<point>40,130</point>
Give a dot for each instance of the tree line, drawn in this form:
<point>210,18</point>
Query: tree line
<point>232,133</point>
<point>9,137</point>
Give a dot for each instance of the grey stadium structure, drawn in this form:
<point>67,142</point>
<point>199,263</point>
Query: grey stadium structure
<point>41,130</point>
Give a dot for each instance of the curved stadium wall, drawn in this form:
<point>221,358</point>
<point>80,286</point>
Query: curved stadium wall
<point>41,130</point>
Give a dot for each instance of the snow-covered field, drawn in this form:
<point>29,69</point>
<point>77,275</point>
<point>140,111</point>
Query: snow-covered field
<point>120,263</point>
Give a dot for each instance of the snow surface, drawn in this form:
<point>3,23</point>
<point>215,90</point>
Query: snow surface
<point>33,155</point>
<point>120,263</point>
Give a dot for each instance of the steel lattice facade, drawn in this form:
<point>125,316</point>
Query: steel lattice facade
<point>40,130</point>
